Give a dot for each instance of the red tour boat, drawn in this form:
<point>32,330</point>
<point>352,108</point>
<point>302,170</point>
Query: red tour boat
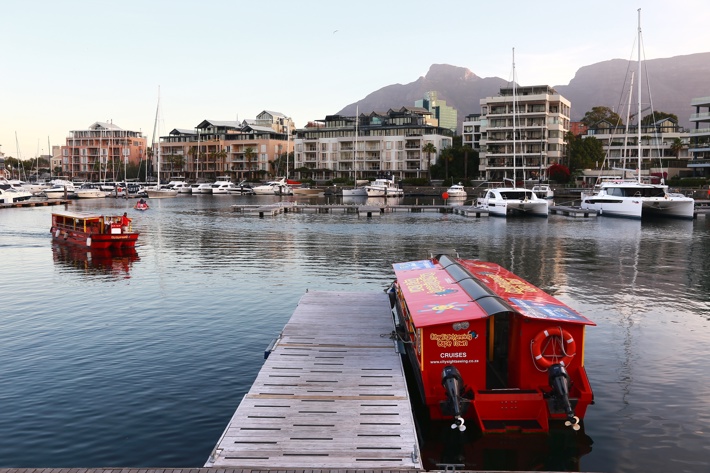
<point>93,230</point>
<point>489,346</point>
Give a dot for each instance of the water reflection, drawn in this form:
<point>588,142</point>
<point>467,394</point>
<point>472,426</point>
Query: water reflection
<point>559,450</point>
<point>117,262</point>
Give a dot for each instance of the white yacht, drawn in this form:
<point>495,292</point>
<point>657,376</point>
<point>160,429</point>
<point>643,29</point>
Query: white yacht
<point>10,193</point>
<point>222,185</point>
<point>278,187</point>
<point>202,188</point>
<point>89,190</point>
<point>544,191</point>
<point>457,191</point>
<point>59,189</point>
<point>633,199</point>
<point>182,187</point>
<point>384,187</point>
<point>243,188</point>
<point>505,201</point>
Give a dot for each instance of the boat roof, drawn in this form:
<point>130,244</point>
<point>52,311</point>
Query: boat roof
<point>448,290</point>
<point>84,215</point>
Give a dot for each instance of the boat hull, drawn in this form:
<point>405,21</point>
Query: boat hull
<point>101,241</point>
<point>670,206</point>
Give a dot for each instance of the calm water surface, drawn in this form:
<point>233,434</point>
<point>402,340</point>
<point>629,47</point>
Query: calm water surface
<point>141,361</point>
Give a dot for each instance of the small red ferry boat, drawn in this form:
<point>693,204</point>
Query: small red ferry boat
<point>93,230</point>
<point>489,346</point>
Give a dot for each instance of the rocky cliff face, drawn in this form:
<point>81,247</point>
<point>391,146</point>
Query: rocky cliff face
<point>674,83</point>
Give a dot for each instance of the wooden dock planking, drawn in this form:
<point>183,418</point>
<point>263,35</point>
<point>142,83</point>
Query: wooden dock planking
<point>331,394</point>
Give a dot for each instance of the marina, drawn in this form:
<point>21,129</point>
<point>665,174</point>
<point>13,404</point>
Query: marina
<point>141,360</point>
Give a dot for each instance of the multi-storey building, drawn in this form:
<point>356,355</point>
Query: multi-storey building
<point>446,116</point>
<point>700,135</point>
<point>101,151</point>
<point>522,143</point>
<point>241,150</point>
<point>471,131</point>
<point>393,143</point>
<point>660,155</point>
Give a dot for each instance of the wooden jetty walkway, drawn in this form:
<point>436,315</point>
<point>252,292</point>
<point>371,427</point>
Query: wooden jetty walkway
<point>34,203</point>
<point>331,394</point>
<point>369,209</point>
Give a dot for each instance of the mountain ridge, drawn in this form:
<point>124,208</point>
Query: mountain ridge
<point>675,81</point>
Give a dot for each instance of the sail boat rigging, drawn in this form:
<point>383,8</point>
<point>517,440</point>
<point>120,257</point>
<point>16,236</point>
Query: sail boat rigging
<point>158,191</point>
<point>355,191</point>
<point>633,198</point>
<point>511,200</point>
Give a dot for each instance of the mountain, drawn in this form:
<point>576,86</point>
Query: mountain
<point>674,81</point>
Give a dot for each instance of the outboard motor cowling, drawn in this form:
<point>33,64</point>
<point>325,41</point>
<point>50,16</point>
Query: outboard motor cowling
<point>453,384</point>
<point>560,383</point>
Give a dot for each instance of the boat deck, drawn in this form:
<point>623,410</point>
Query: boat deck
<point>331,394</point>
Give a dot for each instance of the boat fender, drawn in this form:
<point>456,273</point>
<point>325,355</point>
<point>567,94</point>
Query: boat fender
<point>555,338</point>
<point>88,242</point>
<point>56,233</point>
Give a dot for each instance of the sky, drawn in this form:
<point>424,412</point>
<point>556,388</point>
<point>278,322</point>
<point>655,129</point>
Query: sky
<point>65,65</point>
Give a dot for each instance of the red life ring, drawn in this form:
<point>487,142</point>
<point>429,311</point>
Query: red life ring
<point>553,345</point>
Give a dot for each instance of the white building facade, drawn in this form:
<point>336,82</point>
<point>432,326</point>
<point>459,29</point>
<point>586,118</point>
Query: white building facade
<point>370,145</point>
<point>521,144</point>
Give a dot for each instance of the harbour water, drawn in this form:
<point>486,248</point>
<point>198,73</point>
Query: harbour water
<point>140,361</point>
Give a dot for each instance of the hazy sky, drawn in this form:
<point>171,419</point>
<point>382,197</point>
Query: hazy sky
<point>67,64</point>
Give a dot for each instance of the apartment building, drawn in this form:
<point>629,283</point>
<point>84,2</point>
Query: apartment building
<point>240,150</point>
<point>471,131</point>
<point>699,145</point>
<point>446,116</point>
<point>522,142</point>
<point>101,151</point>
<point>370,144</point>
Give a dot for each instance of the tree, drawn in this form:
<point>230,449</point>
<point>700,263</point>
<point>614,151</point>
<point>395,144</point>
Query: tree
<point>559,173</point>
<point>249,155</point>
<point>599,113</point>
<point>584,153</point>
<point>428,149</point>
<point>653,117</point>
<point>677,146</point>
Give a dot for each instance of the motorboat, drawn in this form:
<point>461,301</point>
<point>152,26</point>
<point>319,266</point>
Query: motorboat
<point>202,188</point>
<point>384,187</point>
<point>310,192</point>
<point>243,188</point>
<point>633,199</point>
<point>92,230</point>
<point>457,191</point>
<point>275,187</point>
<point>181,186</point>
<point>159,192</point>
<point>487,346</point>
<point>141,205</point>
<point>508,201</point>
<point>10,194</point>
<point>355,192</point>
<point>89,190</point>
<point>60,189</point>
<point>222,185</point>
<point>543,191</point>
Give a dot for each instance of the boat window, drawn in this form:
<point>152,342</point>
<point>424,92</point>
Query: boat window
<point>498,336</point>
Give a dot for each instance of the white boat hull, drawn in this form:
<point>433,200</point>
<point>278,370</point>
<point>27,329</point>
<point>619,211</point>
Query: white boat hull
<point>639,207</point>
<point>161,193</point>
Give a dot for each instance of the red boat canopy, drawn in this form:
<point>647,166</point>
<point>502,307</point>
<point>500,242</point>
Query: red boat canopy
<point>441,291</point>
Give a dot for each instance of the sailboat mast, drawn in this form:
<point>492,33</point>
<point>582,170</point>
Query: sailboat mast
<point>51,155</point>
<point>514,164</point>
<point>357,122</point>
<point>156,153</point>
<point>638,85</point>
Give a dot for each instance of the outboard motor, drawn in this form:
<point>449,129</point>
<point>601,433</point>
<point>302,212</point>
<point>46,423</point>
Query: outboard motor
<point>560,382</point>
<point>453,384</point>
